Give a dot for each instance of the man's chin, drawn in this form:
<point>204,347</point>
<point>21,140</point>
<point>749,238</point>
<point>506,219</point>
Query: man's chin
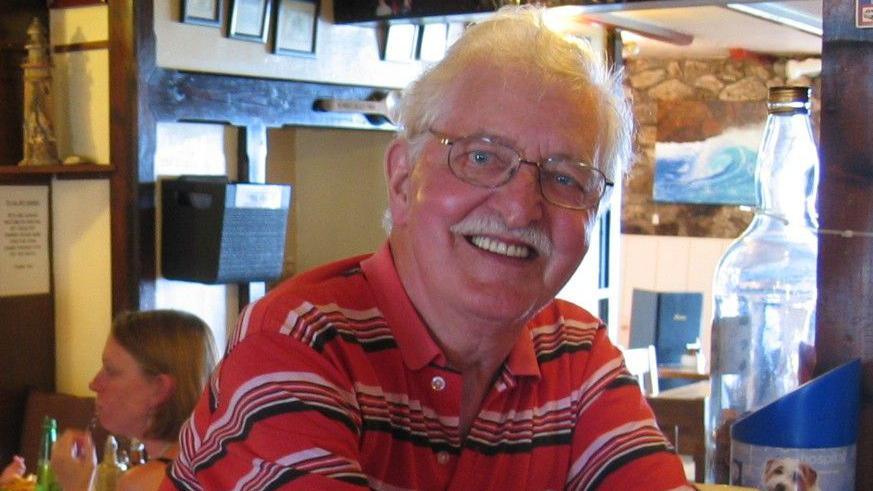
<point>505,307</point>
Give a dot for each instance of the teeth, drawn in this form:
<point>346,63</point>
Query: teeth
<point>498,247</point>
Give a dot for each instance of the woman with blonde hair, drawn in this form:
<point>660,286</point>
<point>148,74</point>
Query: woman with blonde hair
<point>155,365</point>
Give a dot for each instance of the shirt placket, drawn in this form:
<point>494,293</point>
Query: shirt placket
<point>445,387</point>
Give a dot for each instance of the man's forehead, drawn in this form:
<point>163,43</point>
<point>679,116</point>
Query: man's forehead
<point>513,104</point>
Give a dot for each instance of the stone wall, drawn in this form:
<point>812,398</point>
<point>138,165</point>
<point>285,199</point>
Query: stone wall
<point>653,80</point>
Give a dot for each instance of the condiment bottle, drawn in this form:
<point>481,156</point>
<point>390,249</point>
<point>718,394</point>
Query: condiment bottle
<point>109,468</point>
<point>136,452</point>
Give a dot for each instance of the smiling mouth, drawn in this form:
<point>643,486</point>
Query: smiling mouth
<point>501,248</point>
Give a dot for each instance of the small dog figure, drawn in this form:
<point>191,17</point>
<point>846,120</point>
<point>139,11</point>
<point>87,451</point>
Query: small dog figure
<point>789,475</point>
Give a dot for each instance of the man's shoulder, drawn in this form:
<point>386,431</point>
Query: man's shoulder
<point>568,312</point>
<point>319,276</point>
<point>340,285</point>
<point>564,328</point>
<point>322,281</point>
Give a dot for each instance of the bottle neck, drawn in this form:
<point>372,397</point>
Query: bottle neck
<point>49,435</point>
<point>110,451</point>
<point>787,171</point>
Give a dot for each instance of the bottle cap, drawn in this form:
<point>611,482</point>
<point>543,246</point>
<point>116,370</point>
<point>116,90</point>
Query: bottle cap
<point>788,99</point>
<point>789,94</point>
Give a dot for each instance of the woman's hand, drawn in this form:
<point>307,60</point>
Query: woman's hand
<point>14,470</point>
<point>74,460</point>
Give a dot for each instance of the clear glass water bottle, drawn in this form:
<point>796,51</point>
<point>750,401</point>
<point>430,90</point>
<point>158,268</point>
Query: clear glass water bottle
<point>764,290</point>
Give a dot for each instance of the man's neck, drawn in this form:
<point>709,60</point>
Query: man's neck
<point>479,357</point>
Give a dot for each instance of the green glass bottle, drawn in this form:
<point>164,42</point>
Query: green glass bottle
<point>45,477</point>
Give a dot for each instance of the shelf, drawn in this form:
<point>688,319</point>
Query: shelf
<point>14,173</point>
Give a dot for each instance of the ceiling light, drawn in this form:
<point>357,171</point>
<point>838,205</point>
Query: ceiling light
<point>781,14</point>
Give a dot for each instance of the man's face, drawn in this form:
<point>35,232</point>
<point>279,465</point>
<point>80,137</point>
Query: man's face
<point>491,275</point>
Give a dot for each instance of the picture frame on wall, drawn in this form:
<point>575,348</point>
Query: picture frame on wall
<point>202,12</point>
<point>249,20</point>
<point>296,25</point>
<point>401,43</point>
<point>434,38</point>
<point>355,11</point>
<point>63,4</point>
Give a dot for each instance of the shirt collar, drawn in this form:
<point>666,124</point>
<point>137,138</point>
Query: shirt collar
<point>413,339</point>
<point>416,346</point>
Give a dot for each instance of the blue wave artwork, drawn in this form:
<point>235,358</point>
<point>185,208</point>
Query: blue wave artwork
<point>718,170</point>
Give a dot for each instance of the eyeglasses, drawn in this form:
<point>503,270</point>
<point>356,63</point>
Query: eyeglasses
<point>482,161</point>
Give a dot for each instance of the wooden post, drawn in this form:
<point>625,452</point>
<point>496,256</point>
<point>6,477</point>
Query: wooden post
<point>845,266</point>
<point>252,167</point>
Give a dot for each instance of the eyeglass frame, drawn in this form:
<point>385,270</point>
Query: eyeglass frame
<point>448,142</point>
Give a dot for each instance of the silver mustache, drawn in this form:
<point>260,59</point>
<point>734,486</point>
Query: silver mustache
<point>534,237</point>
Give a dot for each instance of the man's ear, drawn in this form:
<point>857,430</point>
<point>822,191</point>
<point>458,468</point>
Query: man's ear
<point>398,172</point>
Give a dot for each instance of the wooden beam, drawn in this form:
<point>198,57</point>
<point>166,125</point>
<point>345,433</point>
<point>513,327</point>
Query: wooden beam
<point>845,265</point>
<point>131,151</point>
<point>252,167</point>
<point>640,28</point>
<point>246,101</point>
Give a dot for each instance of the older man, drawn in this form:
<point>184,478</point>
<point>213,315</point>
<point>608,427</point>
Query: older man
<point>443,361</point>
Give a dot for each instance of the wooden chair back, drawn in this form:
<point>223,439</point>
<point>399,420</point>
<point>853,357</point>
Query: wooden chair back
<point>69,410</point>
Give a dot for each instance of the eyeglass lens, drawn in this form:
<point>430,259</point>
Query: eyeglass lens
<point>483,162</point>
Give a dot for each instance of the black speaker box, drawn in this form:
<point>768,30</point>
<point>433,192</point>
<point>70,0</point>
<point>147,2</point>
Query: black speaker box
<point>214,231</point>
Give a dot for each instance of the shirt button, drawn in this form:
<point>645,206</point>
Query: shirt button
<point>437,383</point>
<point>443,458</point>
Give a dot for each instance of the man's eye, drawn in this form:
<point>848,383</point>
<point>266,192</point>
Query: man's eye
<point>564,180</point>
<point>481,157</point>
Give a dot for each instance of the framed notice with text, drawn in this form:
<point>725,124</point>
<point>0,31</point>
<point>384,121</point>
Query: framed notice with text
<point>24,240</point>
<point>864,14</point>
<point>296,22</point>
<point>202,12</point>
<point>248,20</point>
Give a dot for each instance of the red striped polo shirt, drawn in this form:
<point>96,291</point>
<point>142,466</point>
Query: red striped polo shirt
<point>331,381</point>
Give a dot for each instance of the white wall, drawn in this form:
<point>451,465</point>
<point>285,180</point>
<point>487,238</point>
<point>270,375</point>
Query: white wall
<point>339,191</point>
<point>668,263</point>
<point>80,208</point>
<point>340,194</point>
<point>82,279</point>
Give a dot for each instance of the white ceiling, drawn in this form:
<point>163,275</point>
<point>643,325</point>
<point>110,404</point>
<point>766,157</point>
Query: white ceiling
<point>716,30</point>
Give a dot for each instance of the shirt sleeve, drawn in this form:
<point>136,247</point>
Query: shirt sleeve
<point>617,443</point>
<point>277,415</point>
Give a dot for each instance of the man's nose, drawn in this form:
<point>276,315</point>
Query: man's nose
<point>520,199</point>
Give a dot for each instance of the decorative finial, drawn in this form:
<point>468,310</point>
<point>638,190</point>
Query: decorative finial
<point>40,147</point>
